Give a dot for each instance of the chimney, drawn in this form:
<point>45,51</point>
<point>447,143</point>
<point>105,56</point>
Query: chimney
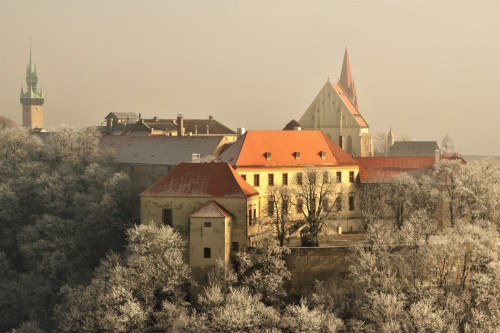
<point>437,156</point>
<point>195,129</point>
<point>208,130</point>
<point>155,118</point>
<point>210,117</point>
<point>297,128</point>
<point>195,158</point>
<point>240,131</point>
<point>180,125</point>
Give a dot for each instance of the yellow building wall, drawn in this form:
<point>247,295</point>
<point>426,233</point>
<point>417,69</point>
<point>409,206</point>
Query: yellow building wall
<point>342,218</point>
<point>217,237</point>
<point>152,212</point>
<point>33,116</point>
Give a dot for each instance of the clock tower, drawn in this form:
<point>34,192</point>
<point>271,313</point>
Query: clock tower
<point>32,99</point>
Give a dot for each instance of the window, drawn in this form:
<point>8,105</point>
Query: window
<point>207,224</point>
<point>322,154</point>
<point>249,216</point>
<point>270,179</point>
<point>351,201</point>
<point>235,246</point>
<point>340,141</point>
<point>267,155</point>
<point>256,180</point>
<point>285,179</point>
<point>255,214</point>
<point>300,205</point>
<point>167,216</point>
<point>296,154</point>
<point>270,208</point>
<point>244,177</point>
<point>207,252</point>
<point>326,177</point>
<point>298,177</point>
<point>351,176</point>
<point>338,202</point>
<point>339,176</point>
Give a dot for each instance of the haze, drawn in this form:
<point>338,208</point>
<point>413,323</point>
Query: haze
<point>426,68</point>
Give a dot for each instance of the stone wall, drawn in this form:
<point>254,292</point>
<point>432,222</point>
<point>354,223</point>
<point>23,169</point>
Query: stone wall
<point>308,264</point>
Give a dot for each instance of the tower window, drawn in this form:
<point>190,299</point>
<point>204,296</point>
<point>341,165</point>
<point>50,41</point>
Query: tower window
<point>207,252</point>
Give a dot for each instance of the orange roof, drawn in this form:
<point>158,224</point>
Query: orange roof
<point>201,179</point>
<point>347,102</point>
<point>285,148</point>
<point>376,169</point>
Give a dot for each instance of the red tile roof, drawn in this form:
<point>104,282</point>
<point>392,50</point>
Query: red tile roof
<point>281,148</point>
<point>376,169</point>
<point>349,105</point>
<point>210,209</point>
<point>201,179</point>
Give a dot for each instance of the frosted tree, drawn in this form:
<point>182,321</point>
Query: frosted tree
<point>128,292</point>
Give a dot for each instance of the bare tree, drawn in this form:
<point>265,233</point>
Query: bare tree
<point>315,196</point>
<point>278,204</point>
<point>380,144</point>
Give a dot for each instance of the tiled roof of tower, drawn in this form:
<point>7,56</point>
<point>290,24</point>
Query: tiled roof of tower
<point>201,179</point>
<point>210,209</point>
<point>377,169</point>
<point>347,102</point>
<point>285,148</point>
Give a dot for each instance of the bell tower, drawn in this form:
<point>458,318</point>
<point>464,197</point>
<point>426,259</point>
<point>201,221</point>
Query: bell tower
<point>32,100</point>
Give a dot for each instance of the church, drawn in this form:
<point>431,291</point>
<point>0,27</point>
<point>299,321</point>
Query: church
<point>335,112</point>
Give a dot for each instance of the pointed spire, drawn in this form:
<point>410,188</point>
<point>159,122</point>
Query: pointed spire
<point>32,68</point>
<point>346,81</point>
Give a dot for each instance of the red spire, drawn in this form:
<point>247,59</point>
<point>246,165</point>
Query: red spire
<point>346,81</point>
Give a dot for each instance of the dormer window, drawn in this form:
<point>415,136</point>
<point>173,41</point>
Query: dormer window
<point>267,155</point>
<point>296,154</point>
<point>322,154</point>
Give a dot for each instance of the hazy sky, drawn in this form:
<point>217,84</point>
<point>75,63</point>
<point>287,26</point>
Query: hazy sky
<point>426,67</point>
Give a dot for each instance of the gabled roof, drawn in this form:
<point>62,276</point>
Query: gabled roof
<point>201,179</point>
<point>349,105</point>
<point>210,209</point>
<point>377,169</point>
<point>413,148</point>
<point>122,115</point>
<point>282,148</point>
<point>159,150</point>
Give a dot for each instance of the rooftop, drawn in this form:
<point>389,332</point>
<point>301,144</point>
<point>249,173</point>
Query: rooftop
<point>201,179</point>
<point>285,148</point>
<point>376,169</point>
<point>413,148</point>
<point>160,150</point>
<point>210,209</point>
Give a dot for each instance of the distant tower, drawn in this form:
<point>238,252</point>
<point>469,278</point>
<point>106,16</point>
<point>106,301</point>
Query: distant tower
<point>447,145</point>
<point>390,142</point>
<point>32,100</point>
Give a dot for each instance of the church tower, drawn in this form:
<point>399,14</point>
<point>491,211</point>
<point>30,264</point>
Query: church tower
<point>32,99</point>
<point>335,112</point>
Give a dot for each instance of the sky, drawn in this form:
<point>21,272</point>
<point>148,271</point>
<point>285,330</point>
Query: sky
<point>424,68</point>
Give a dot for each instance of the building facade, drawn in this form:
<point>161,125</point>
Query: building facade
<point>335,112</point>
<point>271,158</point>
